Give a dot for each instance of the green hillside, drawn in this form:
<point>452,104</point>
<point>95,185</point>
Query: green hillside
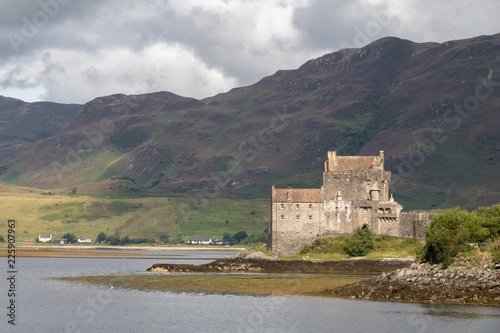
<point>134,215</point>
<point>21,124</point>
<point>392,95</point>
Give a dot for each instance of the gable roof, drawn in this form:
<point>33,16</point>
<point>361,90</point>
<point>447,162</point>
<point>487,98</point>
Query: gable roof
<point>297,195</point>
<point>346,163</point>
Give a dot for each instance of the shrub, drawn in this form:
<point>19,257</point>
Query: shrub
<point>495,254</point>
<point>71,238</point>
<point>450,232</point>
<point>361,242</point>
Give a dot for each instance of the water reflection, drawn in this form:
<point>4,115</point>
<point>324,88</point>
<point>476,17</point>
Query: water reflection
<point>45,305</point>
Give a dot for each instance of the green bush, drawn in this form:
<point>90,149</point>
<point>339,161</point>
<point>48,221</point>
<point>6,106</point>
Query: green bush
<point>71,238</point>
<point>361,242</point>
<point>495,254</point>
<point>451,232</point>
<point>326,246</point>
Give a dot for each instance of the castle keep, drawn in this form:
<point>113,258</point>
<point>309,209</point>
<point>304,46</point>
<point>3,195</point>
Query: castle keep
<point>355,193</point>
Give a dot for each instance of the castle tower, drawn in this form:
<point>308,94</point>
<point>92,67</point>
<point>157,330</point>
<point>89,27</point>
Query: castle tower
<point>355,177</point>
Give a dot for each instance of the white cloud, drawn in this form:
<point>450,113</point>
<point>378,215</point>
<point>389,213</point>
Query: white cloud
<point>199,48</point>
<point>161,66</point>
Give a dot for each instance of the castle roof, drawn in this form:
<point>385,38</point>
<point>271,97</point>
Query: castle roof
<point>355,163</point>
<point>297,195</point>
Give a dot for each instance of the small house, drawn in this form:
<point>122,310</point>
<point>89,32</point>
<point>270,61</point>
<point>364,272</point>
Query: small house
<point>60,241</point>
<point>44,238</point>
<point>200,240</point>
<point>84,239</point>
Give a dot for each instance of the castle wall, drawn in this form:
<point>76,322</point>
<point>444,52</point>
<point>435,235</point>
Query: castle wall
<point>356,185</point>
<point>414,223</point>
<point>296,224</point>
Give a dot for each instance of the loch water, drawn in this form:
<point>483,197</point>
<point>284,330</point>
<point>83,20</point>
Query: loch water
<point>47,305</point>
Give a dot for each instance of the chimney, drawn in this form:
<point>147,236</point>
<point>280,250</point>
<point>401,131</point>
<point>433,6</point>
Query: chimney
<point>381,160</point>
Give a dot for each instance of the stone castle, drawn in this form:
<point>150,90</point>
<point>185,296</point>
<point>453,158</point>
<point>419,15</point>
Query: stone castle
<point>355,193</point>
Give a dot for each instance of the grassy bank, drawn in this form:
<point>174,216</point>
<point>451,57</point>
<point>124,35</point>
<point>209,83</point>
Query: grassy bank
<point>335,248</point>
<point>235,284</point>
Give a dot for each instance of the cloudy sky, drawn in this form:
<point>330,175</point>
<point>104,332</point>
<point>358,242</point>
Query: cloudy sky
<point>71,51</point>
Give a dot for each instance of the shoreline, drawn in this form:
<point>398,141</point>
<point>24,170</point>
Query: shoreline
<point>124,248</point>
<point>426,283</point>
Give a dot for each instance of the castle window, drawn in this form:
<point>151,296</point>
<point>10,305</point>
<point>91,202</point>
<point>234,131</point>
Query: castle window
<point>298,206</point>
<point>282,217</point>
<point>336,208</point>
<point>310,206</point>
<point>282,206</point>
<point>297,217</point>
<point>282,233</point>
<point>388,210</point>
<point>310,217</point>
<point>297,233</point>
<point>345,208</point>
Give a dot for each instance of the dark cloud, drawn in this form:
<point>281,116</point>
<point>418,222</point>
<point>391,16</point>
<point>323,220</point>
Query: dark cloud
<point>334,25</point>
<point>76,50</point>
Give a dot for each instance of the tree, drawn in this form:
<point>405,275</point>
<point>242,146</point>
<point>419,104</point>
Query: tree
<point>71,238</point>
<point>101,237</point>
<point>113,239</point>
<point>164,239</point>
<point>2,240</point>
<point>451,231</point>
<point>228,239</point>
<point>125,240</point>
<point>361,242</point>
<point>73,191</point>
<point>240,236</point>
<point>490,219</point>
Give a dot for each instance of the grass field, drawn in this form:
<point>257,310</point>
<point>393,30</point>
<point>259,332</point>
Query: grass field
<point>135,216</point>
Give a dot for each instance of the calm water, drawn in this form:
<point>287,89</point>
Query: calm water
<point>44,305</point>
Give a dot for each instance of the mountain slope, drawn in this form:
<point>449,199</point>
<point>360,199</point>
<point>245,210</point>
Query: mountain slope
<point>22,123</point>
<point>392,94</point>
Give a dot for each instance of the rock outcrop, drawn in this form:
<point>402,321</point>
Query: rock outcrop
<point>429,283</point>
<point>361,266</point>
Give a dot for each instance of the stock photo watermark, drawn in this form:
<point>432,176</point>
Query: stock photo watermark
<point>11,272</point>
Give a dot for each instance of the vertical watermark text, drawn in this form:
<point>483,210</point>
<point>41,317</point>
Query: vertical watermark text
<point>11,272</point>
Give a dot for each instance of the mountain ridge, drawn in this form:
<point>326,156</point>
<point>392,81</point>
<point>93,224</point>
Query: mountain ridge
<point>392,94</point>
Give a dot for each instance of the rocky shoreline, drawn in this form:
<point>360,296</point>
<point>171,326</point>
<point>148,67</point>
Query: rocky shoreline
<point>425,283</point>
<point>401,280</point>
<point>249,261</point>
